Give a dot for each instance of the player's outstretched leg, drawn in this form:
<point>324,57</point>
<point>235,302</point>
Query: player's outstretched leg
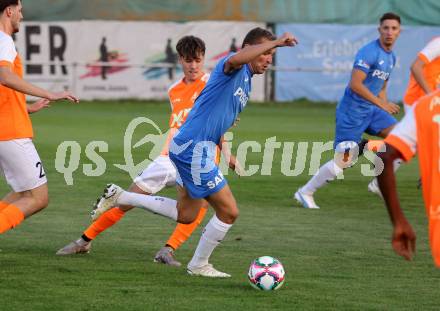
<point>116,196</point>
<point>182,232</point>
<point>325,174</point>
<point>83,244</point>
<point>109,218</point>
<point>226,212</point>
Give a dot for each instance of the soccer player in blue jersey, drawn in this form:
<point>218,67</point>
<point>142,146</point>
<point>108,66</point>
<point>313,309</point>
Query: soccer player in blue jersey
<point>363,108</point>
<point>192,150</point>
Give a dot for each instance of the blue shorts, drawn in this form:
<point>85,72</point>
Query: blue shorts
<point>199,180</point>
<point>351,124</point>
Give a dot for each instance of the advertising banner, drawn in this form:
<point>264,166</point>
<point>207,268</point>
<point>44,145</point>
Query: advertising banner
<point>114,60</point>
<point>319,68</point>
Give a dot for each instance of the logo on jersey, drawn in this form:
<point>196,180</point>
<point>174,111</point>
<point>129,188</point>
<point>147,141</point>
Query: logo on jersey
<point>434,103</point>
<point>177,119</point>
<point>381,62</point>
<point>363,64</point>
<point>381,74</point>
<point>242,96</point>
<point>217,180</point>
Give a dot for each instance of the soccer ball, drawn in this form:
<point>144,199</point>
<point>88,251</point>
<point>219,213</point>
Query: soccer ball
<point>266,273</point>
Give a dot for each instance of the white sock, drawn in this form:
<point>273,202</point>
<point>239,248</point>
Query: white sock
<point>325,174</point>
<point>157,205</point>
<point>396,164</point>
<point>212,235</point>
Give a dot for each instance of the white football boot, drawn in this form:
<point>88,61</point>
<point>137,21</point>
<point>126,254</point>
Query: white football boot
<point>106,201</point>
<point>306,200</point>
<point>373,187</point>
<point>207,271</point>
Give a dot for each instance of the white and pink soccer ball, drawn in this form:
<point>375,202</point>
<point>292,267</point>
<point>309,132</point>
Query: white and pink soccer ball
<point>266,273</point>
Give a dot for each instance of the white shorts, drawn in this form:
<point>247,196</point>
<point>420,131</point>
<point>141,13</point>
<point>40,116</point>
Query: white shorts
<point>406,107</point>
<point>159,174</point>
<point>21,164</point>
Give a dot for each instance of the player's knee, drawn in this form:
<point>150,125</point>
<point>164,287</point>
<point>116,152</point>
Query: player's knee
<point>41,201</point>
<point>185,216</point>
<point>344,160</point>
<point>125,208</point>
<point>185,219</point>
<point>230,216</point>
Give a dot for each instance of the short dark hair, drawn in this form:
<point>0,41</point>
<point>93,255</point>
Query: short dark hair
<point>389,15</point>
<point>5,3</point>
<point>255,35</point>
<point>190,47</point>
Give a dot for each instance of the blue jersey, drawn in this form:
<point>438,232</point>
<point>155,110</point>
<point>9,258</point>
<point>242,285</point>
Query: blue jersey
<point>218,105</point>
<point>193,148</point>
<point>378,65</point>
<point>354,114</point>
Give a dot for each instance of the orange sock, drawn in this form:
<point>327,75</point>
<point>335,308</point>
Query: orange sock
<point>183,232</point>
<point>104,222</point>
<point>3,205</point>
<point>10,217</point>
<point>375,145</point>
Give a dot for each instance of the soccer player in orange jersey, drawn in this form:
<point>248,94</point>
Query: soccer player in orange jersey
<point>419,131</point>
<point>161,172</point>
<point>425,73</point>
<point>19,160</point>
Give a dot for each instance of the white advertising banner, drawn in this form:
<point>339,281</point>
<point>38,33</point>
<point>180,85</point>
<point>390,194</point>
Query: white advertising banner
<point>70,55</point>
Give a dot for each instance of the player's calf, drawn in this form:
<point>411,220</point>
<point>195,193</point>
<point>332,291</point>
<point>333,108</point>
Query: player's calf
<point>33,201</point>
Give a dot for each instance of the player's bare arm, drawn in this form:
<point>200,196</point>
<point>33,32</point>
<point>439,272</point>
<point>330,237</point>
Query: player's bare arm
<point>357,86</point>
<point>383,95</point>
<point>250,52</point>
<point>38,105</point>
<point>233,163</point>
<point>11,80</point>
<point>383,92</point>
<point>417,70</point>
<point>403,238</point>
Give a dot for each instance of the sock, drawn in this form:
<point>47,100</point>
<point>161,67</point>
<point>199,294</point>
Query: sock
<point>3,205</point>
<point>325,174</point>
<point>10,217</point>
<point>157,205</point>
<point>183,232</point>
<point>104,222</point>
<point>396,165</point>
<point>212,235</point>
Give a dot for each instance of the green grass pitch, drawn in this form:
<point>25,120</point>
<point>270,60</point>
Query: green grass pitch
<point>336,258</point>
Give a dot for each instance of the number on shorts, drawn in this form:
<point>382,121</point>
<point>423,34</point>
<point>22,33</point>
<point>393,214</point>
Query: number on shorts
<point>42,174</point>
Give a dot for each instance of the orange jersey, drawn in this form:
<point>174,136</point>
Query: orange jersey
<point>430,55</point>
<point>14,118</point>
<point>182,97</point>
<point>419,131</point>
